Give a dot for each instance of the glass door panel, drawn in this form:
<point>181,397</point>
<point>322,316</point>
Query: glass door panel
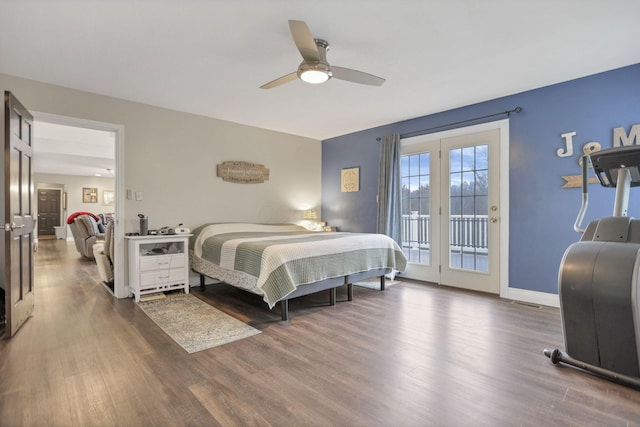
<point>468,210</point>
<point>416,198</point>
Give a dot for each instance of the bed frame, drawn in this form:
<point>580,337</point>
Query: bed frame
<point>330,284</point>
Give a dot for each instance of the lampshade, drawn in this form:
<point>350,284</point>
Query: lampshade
<point>310,215</point>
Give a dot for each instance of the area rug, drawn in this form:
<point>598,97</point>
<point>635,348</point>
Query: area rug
<point>375,283</point>
<point>193,324</point>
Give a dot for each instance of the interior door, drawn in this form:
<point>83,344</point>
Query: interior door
<point>18,214</point>
<point>48,211</point>
<point>451,215</point>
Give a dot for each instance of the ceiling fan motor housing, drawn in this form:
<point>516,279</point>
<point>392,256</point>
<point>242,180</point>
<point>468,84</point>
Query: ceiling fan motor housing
<point>316,71</point>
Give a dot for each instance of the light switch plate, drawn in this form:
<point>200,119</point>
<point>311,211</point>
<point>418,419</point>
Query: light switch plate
<point>138,195</point>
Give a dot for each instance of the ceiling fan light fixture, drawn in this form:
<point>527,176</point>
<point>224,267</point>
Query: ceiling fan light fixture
<point>314,76</point>
<point>314,72</point>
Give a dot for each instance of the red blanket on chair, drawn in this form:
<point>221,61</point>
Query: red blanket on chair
<point>76,214</point>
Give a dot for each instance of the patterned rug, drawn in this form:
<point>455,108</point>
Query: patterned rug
<point>375,283</point>
<point>194,324</point>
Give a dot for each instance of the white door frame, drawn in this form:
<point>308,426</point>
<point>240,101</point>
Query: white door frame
<point>503,127</point>
<point>121,288</point>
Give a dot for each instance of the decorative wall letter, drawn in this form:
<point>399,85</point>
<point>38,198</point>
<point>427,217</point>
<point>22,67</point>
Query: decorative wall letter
<point>568,142</point>
<point>620,137</point>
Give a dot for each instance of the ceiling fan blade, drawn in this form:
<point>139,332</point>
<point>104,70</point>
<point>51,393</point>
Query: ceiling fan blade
<point>304,40</point>
<point>280,80</point>
<point>356,76</point>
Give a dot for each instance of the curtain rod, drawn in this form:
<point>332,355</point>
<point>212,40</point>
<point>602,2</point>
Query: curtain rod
<point>425,131</point>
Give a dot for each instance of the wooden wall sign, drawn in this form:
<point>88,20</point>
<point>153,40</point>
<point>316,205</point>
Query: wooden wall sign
<point>243,172</point>
<point>575,181</point>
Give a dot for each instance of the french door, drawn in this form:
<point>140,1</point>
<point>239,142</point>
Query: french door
<point>451,209</point>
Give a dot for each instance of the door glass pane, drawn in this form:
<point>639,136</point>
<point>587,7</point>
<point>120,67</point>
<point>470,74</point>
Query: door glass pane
<point>468,208</point>
<point>482,182</point>
<point>482,157</point>
<point>468,159</point>
<point>416,193</point>
<point>468,183</point>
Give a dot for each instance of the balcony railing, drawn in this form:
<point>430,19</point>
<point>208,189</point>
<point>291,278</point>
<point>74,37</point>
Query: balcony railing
<point>466,232</point>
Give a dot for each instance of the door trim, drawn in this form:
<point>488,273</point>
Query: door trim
<point>121,288</point>
<point>503,127</point>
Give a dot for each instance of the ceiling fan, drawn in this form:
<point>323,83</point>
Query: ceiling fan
<point>314,68</point>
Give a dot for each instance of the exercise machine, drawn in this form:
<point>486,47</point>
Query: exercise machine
<point>598,278</point>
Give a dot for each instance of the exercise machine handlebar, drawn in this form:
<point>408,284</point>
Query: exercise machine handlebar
<point>585,195</point>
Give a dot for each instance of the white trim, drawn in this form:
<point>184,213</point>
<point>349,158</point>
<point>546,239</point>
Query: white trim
<point>504,207</point>
<point>533,297</point>
<point>121,286</point>
<point>503,126</point>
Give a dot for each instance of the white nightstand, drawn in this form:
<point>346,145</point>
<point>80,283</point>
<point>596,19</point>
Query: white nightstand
<point>158,263</point>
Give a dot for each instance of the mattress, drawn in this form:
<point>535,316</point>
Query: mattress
<point>274,260</point>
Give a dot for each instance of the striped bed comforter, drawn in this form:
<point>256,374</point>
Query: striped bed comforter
<point>282,257</point>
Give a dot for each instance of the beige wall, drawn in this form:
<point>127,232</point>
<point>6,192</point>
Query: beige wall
<point>171,157</point>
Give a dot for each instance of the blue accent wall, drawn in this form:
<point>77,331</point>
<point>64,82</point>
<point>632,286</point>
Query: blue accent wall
<point>542,213</point>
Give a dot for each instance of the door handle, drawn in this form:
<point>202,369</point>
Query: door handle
<point>494,219</point>
<point>12,226</point>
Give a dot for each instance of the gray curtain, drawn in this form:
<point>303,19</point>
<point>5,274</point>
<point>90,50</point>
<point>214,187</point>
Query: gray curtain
<point>389,208</point>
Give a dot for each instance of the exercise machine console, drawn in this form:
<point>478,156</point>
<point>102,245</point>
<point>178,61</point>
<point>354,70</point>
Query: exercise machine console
<point>598,278</point>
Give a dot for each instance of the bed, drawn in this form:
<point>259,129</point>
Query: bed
<point>280,262</point>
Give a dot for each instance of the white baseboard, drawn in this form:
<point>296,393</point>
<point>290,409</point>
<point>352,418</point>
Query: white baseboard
<point>533,297</point>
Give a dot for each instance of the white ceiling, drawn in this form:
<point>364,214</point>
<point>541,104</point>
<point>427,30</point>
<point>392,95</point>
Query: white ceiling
<point>210,57</point>
<point>68,150</point>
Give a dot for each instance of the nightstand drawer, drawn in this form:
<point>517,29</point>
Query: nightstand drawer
<point>161,277</point>
<point>160,262</point>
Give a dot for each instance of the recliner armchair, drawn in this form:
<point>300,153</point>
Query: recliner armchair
<point>85,232</point>
<point>104,255</point>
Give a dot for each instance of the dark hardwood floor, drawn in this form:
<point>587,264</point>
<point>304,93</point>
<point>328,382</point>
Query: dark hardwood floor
<point>413,355</point>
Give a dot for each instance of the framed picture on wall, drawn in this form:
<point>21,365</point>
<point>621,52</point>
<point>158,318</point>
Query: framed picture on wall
<point>89,195</point>
<point>350,181</point>
<point>107,197</point>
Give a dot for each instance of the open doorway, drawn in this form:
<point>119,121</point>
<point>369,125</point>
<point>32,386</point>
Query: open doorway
<point>68,160</point>
<point>80,160</point>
